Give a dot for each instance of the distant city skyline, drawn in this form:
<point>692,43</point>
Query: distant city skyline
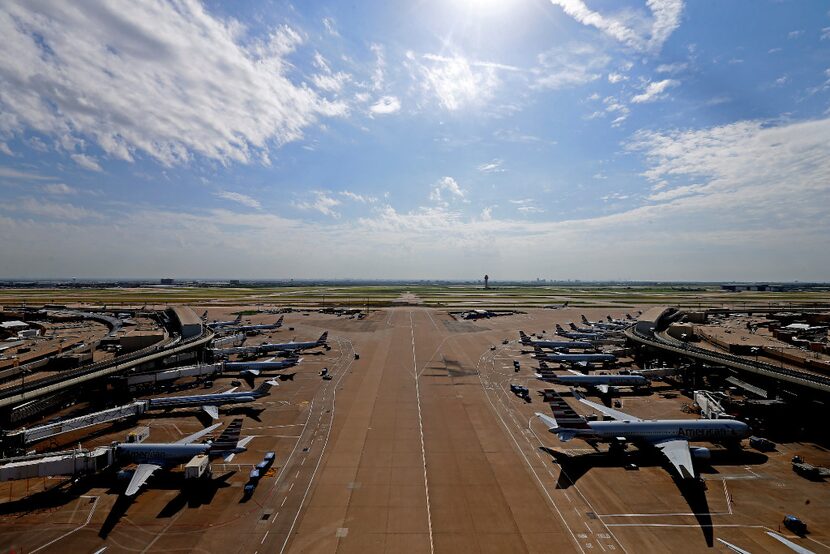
<point>656,140</point>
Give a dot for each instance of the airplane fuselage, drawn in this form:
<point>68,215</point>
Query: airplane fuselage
<point>569,357</point>
<point>580,345</point>
<point>592,380</point>
<point>692,430</point>
<point>160,453</point>
<point>202,400</point>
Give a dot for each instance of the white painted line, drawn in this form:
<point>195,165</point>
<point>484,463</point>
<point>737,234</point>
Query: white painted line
<point>421,430</point>
<point>291,487</point>
<point>78,528</point>
<point>283,502</point>
<point>322,451</point>
<point>265,537</point>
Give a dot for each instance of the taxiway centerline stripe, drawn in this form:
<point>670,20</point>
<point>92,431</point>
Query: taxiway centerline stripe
<point>421,429</point>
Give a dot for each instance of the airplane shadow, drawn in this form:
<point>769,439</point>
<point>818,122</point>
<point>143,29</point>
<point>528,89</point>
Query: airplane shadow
<point>196,494</point>
<point>693,491</point>
<point>119,509</point>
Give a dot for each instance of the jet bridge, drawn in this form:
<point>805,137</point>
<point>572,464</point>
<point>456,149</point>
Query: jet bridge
<point>71,462</point>
<point>15,441</point>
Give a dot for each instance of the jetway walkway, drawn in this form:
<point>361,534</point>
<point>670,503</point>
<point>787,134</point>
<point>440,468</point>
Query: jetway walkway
<point>71,462</point>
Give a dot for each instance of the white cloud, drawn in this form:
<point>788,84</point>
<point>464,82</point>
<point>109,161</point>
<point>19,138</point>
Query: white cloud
<point>531,209</point>
<point>494,166</point>
<point>59,188</point>
<point>781,81</point>
<point>363,198</point>
<point>331,26</point>
<point>795,34</point>
<point>386,105</point>
<point>672,68</point>
<point>378,74</point>
<point>239,198</point>
<point>654,91</point>
<point>167,80</point>
<point>322,203</point>
<point>487,213</point>
<point>570,65</point>
<point>330,82</point>
<point>632,31</point>
<point>51,210</point>
<point>825,33</point>
<point>615,78</point>
<point>87,162</point>
<point>17,174</point>
<point>445,184</point>
<point>457,82</point>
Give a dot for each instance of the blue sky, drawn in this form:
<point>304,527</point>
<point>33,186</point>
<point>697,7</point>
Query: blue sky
<point>561,139</point>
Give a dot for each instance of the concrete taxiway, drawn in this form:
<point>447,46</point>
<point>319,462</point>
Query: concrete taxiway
<point>419,446</point>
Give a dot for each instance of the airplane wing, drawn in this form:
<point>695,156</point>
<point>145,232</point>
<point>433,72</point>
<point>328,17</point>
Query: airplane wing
<point>242,443</point>
<point>677,452</point>
<point>610,412</point>
<point>789,544</point>
<point>142,473</point>
<point>547,420</point>
<point>212,411</point>
<point>196,436</point>
<point>230,390</point>
<point>603,388</point>
<point>575,372</point>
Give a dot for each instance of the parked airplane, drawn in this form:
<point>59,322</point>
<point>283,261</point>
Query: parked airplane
<point>258,327</point>
<point>220,324</point>
<point>604,384</point>
<point>210,402</point>
<point>669,436</point>
<point>577,335</point>
<point>572,357</point>
<point>254,368</point>
<point>527,341</point>
<point>151,457</point>
<point>293,346</point>
<point>229,339</point>
<point>609,325</point>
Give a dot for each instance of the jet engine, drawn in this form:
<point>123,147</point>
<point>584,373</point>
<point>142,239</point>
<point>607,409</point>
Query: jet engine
<point>700,453</point>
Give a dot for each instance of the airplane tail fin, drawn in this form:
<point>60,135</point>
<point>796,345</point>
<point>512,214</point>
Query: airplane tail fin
<point>524,338</point>
<point>279,321</point>
<point>238,318</point>
<point>584,319</point>
<point>608,317</point>
<point>572,326</point>
<point>567,420</point>
<point>559,329</point>
<point>229,437</point>
<point>543,366</point>
<point>204,316</point>
<point>265,387</point>
<point>323,338</point>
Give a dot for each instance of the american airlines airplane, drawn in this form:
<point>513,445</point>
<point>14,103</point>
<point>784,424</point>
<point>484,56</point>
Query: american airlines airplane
<point>210,402</point>
<point>604,384</point>
<point>670,437</point>
<point>575,335</point>
<point>580,345</point>
<point>254,368</point>
<point>571,357</point>
<point>220,324</point>
<point>151,457</point>
<point>293,346</point>
<point>259,327</point>
<point>610,325</point>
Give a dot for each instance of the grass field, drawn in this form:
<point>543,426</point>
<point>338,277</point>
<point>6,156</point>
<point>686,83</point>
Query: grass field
<point>451,296</point>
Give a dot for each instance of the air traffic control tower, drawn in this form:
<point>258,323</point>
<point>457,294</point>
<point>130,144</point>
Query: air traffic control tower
<point>486,281</point>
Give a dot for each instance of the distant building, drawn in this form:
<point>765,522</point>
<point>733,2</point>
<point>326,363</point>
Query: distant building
<point>167,281</point>
<point>234,282</point>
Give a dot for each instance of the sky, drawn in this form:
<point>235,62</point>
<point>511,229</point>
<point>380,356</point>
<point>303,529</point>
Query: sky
<point>424,139</point>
